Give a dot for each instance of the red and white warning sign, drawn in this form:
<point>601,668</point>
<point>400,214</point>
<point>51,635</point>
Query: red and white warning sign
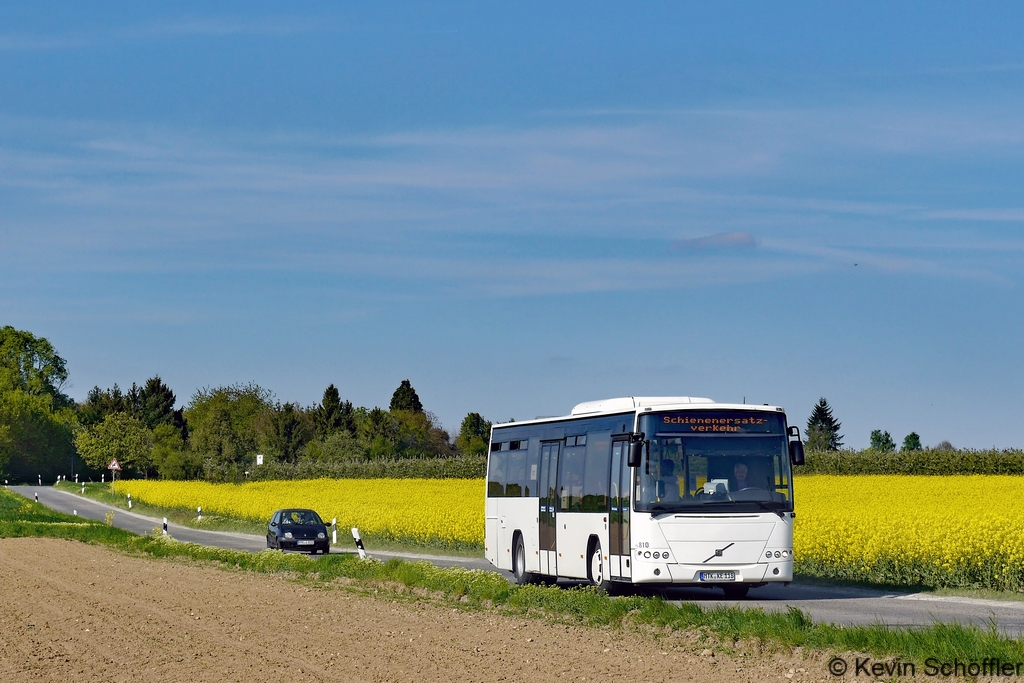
<point>113,466</point>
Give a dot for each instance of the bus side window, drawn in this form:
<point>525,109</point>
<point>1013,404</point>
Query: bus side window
<point>497,466</point>
<point>516,473</point>
<point>570,479</point>
<point>595,479</point>
<point>532,471</point>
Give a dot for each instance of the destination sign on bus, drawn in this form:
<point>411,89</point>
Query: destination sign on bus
<point>705,422</point>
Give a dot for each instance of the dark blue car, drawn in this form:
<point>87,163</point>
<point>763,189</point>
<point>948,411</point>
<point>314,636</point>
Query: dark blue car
<point>297,529</point>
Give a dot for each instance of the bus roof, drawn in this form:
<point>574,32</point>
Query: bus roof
<point>632,404</point>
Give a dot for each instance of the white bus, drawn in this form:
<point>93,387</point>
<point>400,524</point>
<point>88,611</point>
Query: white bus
<point>665,490</point>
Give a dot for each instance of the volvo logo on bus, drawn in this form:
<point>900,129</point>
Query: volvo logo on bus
<point>718,553</point>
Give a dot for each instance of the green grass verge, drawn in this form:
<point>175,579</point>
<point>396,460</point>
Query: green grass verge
<point>103,494</point>
<point>474,589</point>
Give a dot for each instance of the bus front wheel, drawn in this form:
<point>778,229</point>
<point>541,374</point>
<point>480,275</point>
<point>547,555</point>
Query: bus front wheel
<point>598,569</point>
<point>519,563</point>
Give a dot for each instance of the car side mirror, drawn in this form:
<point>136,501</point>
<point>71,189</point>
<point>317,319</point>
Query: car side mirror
<point>796,452</point>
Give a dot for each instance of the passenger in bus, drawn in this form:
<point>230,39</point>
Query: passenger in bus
<point>668,482</point>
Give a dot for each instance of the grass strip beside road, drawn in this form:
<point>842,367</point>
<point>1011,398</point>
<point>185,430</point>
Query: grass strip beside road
<point>474,589</point>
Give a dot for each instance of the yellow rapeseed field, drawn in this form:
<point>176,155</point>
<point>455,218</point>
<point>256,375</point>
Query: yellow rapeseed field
<point>444,512</point>
<point>926,530</point>
<point>905,530</point>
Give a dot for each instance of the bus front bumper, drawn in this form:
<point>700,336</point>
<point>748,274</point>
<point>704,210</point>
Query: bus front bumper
<point>716,575</point>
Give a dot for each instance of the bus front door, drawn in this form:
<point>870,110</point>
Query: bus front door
<point>548,500</point>
<point>618,529</point>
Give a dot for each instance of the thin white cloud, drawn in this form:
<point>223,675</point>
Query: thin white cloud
<point>175,28</point>
<point>113,196</point>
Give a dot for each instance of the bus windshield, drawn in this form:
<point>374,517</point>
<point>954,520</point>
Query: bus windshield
<point>735,461</point>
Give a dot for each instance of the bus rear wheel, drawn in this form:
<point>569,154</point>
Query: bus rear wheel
<point>519,563</point>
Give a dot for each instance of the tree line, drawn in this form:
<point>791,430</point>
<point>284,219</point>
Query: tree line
<point>216,436</point>
<point>823,434</point>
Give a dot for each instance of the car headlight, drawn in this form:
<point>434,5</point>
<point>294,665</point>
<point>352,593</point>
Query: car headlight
<point>287,534</point>
<point>321,535</point>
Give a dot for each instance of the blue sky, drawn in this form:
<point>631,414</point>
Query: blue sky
<point>522,208</point>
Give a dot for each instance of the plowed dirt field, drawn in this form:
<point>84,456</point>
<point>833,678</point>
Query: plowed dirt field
<point>75,612</point>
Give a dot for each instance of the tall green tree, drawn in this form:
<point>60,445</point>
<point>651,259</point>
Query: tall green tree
<point>31,364</point>
<point>380,431</point>
<point>911,442</point>
<point>474,435</point>
<point>35,439</point>
<point>333,414</point>
<point>99,403</point>
<point>171,457</point>
<point>120,436</point>
<point>223,432</point>
<point>882,441</point>
<point>405,398</point>
<point>284,431</point>
<point>155,405</point>
<point>823,428</point>
<point>36,419</point>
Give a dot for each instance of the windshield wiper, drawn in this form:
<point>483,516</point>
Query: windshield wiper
<point>764,506</point>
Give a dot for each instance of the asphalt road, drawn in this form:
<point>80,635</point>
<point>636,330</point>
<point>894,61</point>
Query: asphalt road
<point>839,605</point>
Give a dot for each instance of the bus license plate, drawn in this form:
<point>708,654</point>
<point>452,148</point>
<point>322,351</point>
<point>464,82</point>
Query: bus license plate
<point>305,542</point>
<point>718,576</point>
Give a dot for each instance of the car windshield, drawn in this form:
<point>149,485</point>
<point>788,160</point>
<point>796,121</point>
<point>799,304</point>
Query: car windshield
<point>714,461</point>
<point>300,517</point>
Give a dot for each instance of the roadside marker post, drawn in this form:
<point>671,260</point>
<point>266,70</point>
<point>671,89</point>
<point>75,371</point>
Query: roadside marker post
<point>83,488</point>
<point>40,479</point>
<point>37,497</point>
<point>75,512</point>
<point>129,501</point>
<point>359,543</point>
<point>165,526</point>
<point>76,478</point>
<point>334,531</point>
<point>200,511</point>
<point>103,479</point>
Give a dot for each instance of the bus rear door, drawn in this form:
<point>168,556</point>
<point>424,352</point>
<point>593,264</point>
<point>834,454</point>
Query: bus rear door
<point>548,501</point>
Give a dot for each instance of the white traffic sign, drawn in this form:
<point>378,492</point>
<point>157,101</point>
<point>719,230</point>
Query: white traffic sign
<point>113,466</point>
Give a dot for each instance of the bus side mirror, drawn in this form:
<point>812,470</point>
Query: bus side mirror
<point>636,453</point>
<point>796,452</point>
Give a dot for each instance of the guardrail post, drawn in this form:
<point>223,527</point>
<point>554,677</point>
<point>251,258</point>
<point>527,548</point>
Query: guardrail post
<point>359,543</point>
